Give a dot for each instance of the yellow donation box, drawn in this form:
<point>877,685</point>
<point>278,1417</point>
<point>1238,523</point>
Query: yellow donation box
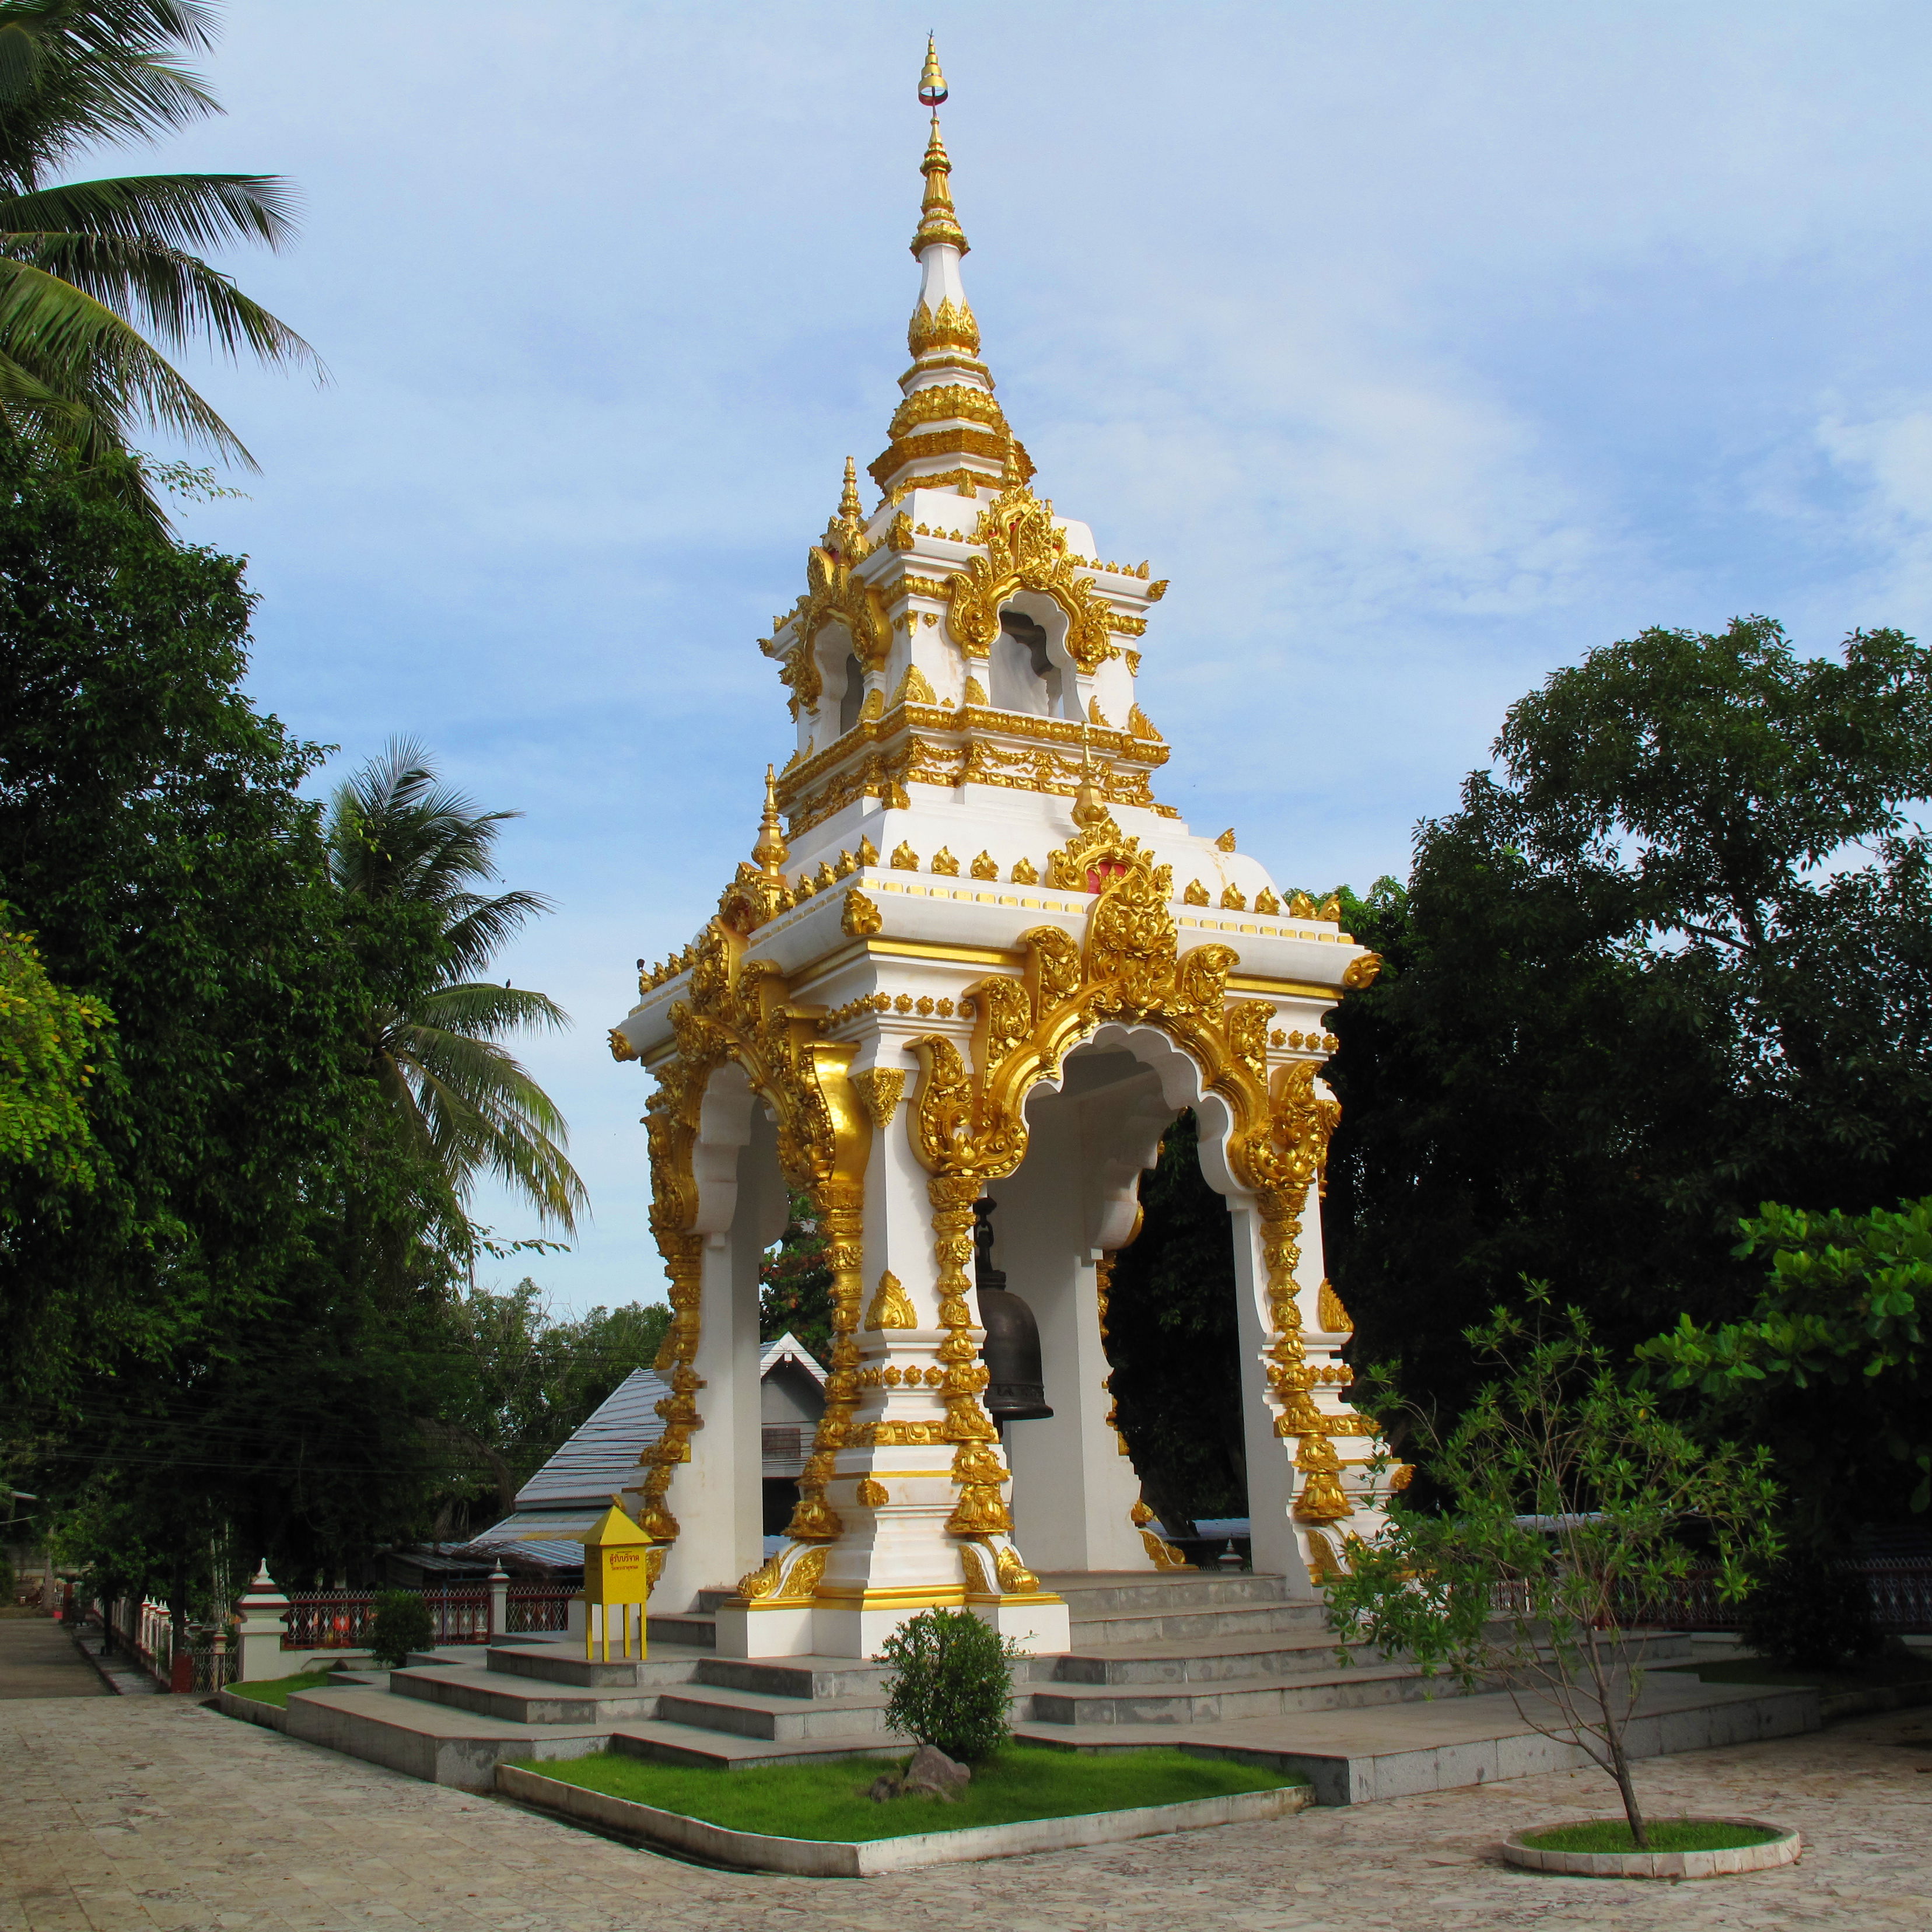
<point>617,1574</point>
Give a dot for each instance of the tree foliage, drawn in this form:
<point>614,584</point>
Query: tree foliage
<point>795,1283</point>
<point>1830,1364</point>
<point>400,841</point>
<point>1175,1374</point>
<point>1674,960</point>
<point>1569,1504</point>
<point>50,1041</point>
<point>86,267</point>
<point>951,1684</point>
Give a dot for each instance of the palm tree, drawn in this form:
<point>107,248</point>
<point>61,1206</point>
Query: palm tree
<point>397,836</point>
<point>85,267</point>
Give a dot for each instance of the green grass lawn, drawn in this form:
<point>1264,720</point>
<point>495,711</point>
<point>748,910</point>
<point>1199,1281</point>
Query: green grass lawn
<point>1877,1672</point>
<point>1665,1834</point>
<point>276,1691</point>
<point>829,1801</point>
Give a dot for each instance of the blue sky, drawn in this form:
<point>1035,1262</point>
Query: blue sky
<point>1422,348</point>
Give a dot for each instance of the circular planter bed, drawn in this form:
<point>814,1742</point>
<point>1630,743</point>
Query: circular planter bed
<point>1680,1848</point>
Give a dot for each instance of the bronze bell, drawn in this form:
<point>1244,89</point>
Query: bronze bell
<point>1016,1384</point>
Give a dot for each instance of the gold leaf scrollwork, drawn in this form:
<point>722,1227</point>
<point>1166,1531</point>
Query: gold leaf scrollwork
<point>1015,1578</point>
<point>1321,1498</point>
<point>892,1306</point>
<point>873,1494</point>
<point>621,1048</point>
<point>801,1579</point>
<point>1361,972</point>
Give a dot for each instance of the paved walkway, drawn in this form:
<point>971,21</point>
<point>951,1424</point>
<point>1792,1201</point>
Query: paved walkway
<point>125,1815</point>
<point>38,1659</point>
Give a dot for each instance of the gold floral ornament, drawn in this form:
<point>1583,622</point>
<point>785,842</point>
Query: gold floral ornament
<point>1362,971</point>
<point>1321,1498</point>
<point>1024,550</point>
<point>986,866</point>
<point>1335,1319</point>
<point>1196,894</point>
<point>1164,1555</point>
<point>861,918</point>
<point>945,864</point>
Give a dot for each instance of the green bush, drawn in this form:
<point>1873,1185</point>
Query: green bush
<point>951,1685</point>
<point>403,1623</point>
<point>1810,1612</point>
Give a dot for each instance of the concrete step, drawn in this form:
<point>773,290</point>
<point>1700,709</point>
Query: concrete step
<point>694,1630</point>
<point>751,1714</point>
<point>563,1663</point>
<point>1207,1660</point>
<point>1104,1593</point>
<point>1080,1706</point>
<point>523,1700</point>
<point>726,1750</point>
<point>1190,1623</point>
<point>432,1741</point>
<point>805,1677</point>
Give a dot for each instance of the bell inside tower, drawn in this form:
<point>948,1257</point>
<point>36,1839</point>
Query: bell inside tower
<point>1016,1382</point>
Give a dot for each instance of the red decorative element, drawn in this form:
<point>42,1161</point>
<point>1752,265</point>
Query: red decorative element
<point>1099,875</point>
<point>181,1673</point>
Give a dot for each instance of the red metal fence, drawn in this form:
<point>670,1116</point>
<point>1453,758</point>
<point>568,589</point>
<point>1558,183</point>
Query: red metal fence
<point>345,1619</point>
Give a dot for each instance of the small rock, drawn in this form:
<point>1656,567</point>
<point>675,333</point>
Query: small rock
<point>882,1789</point>
<point>934,1774</point>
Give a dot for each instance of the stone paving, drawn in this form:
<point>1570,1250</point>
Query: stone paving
<point>38,1659</point>
<point>124,1816</point>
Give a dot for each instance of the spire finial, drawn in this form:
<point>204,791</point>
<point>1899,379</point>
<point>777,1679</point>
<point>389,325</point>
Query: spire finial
<point>849,506</point>
<point>937,221</point>
<point>771,851</point>
<point>931,82</point>
<point>1090,802</point>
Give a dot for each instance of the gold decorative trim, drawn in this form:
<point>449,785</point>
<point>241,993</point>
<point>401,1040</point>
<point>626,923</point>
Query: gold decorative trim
<point>873,1494</point>
<point>1334,1319</point>
<point>621,1048</point>
<point>1025,551</point>
<point>861,917</point>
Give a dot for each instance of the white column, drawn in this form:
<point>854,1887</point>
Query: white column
<point>259,1636</point>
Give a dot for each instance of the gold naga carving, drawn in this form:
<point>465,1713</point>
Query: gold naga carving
<point>833,594</point>
<point>741,1014</point>
<point>880,1088</point>
<point>621,1048</point>
<point>1361,971</point>
<point>1024,551</point>
<point>1164,1555</point>
<point>892,1306</point>
<point>967,1121</point>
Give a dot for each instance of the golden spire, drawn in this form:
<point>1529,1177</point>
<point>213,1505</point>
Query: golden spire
<point>848,503</point>
<point>771,851</point>
<point>937,221</point>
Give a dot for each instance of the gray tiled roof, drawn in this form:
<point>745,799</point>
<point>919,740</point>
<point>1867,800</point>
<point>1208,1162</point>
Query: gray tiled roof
<point>602,1456</point>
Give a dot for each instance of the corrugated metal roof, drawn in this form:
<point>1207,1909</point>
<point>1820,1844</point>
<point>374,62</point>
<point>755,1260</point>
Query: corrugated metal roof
<point>602,1456</point>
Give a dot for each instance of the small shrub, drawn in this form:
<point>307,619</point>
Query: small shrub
<point>952,1683</point>
<point>1810,1613</point>
<point>402,1623</point>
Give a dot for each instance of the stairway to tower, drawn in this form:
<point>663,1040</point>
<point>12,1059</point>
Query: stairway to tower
<point>1211,1663</point>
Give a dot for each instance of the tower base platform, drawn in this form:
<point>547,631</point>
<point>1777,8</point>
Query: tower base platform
<point>1216,1663</point>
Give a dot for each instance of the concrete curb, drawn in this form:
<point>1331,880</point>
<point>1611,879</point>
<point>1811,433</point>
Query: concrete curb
<point>1782,1850</point>
<point>814,1858</point>
<point>251,1711</point>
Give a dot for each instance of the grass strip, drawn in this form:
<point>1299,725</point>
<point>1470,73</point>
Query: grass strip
<point>276,1691</point>
<point>828,1801</point>
<point>1665,1834</point>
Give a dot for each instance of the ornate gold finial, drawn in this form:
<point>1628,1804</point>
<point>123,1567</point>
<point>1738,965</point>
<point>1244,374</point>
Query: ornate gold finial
<point>1090,802</point>
<point>937,221</point>
<point>848,503</point>
<point>771,851</point>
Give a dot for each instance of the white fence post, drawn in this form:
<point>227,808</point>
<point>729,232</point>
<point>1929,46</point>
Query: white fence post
<point>258,1639</point>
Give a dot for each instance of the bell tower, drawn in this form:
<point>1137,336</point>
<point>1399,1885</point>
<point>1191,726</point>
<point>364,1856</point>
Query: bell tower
<point>971,948</point>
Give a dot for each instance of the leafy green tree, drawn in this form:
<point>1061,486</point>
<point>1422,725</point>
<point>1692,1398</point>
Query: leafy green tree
<point>224,1340</point>
<point>1569,1504</point>
<point>795,1284</point>
<point>1831,1365</point>
<point>1175,1371</point>
<point>529,1381</point>
<point>398,839</point>
<point>46,1038</point>
<point>86,267</point>
<point>1676,959</point>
